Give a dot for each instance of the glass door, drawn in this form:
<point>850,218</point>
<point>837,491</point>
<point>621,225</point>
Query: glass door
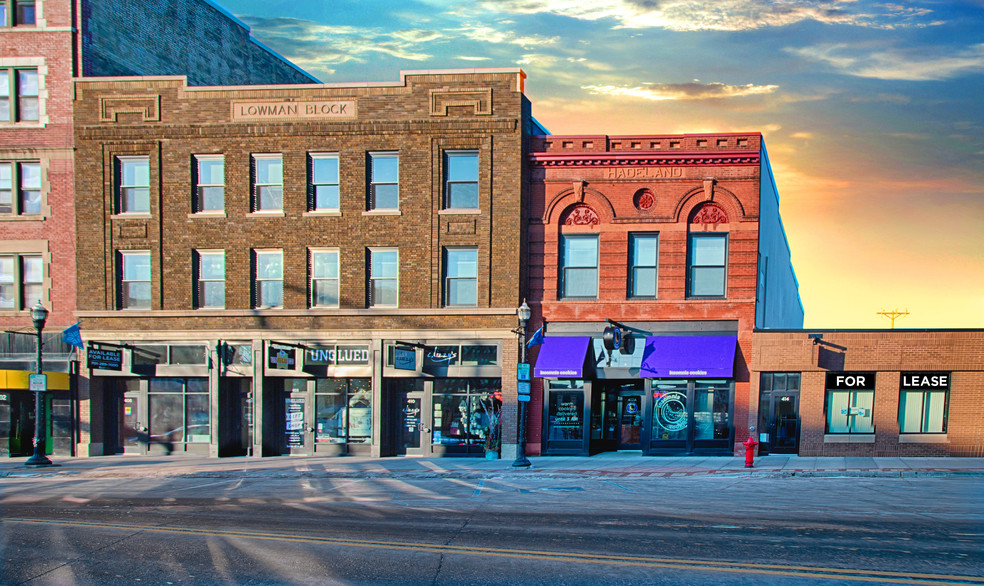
<point>298,433</point>
<point>133,433</point>
<point>412,436</point>
<point>630,420</point>
<point>784,428</point>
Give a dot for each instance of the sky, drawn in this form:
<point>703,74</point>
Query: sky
<point>872,112</point>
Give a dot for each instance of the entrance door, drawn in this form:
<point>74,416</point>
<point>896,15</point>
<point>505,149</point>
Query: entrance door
<point>630,420</point>
<point>784,429</point>
<point>298,430</point>
<point>411,436</point>
<point>235,417</point>
<point>133,436</point>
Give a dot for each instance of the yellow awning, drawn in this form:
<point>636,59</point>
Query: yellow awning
<point>18,379</point>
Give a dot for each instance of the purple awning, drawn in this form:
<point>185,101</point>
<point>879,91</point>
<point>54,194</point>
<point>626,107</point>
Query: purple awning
<point>562,357</point>
<point>689,357</point>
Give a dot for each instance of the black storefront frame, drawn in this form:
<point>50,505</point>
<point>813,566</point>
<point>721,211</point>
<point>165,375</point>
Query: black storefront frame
<point>585,445</point>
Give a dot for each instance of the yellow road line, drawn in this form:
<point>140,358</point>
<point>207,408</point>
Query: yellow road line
<point>616,560</point>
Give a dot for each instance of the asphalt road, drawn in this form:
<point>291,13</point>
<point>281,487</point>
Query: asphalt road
<point>701,530</point>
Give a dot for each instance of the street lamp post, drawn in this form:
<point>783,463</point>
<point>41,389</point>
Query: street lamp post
<point>39,314</point>
<point>523,312</point>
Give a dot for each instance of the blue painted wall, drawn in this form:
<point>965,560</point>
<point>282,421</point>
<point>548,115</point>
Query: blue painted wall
<point>778,303</point>
<point>197,38</point>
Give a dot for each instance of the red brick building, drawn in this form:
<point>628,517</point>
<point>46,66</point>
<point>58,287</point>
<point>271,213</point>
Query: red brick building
<point>870,392</point>
<point>650,259</point>
<point>44,44</point>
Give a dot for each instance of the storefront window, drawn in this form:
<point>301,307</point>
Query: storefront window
<point>712,418</point>
<point>343,410</point>
<point>479,355</point>
<point>850,411</point>
<point>670,410</point>
<point>565,411</point>
<point>465,410</point>
<point>179,410</point>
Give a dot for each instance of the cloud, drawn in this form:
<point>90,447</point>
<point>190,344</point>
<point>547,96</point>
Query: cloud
<point>313,45</point>
<point>488,34</point>
<point>684,91</point>
<point>802,135</point>
<point>720,15</point>
<point>915,64</point>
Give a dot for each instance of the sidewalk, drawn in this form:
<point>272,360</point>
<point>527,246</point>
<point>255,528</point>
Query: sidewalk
<point>608,465</point>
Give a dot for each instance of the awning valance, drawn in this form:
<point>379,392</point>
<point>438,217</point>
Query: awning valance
<point>689,357</point>
<point>562,357</point>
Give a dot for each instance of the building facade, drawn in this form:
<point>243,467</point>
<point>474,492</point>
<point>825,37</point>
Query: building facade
<point>323,269</point>
<point>891,393</point>
<point>650,262</point>
<point>43,45</point>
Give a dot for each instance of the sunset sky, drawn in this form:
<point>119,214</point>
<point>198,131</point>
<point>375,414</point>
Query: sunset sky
<point>873,113</point>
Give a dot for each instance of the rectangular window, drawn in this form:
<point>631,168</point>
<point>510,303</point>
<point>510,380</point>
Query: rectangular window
<point>465,410</point>
<point>19,95</point>
<point>21,281</point>
<point>384,281</point>
<point>706,265</point>
<point>134,279</point>
<point>343,410</point>
<point>579,266</point>
<point>20,188</point>
<point>643,255</point>
<point>179,410</point>
<point>461,277</point>
<point>850,411</point>
<point>323,185</point>
<point>268,183</point>
<point>461,180</point>
<point>923,402</point>
<point>133,184</point>
<point>269,278</point>
<point>384,187</point>
<point>324,278</point>
<point>210,275</point>
<point>209,183</point>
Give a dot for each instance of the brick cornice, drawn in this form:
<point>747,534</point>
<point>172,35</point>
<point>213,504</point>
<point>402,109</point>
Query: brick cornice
<point>642,159</point>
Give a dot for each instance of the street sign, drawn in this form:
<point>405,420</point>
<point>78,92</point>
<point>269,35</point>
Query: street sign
<point>37,382</point>
<point>523,371</point>
<point>523,398</point>
<point>523,388</point>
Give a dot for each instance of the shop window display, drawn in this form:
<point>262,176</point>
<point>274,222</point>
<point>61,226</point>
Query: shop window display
<point>343,409</point>
<point>465,411</point>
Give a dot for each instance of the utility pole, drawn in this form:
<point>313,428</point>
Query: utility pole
<point>893,315</point>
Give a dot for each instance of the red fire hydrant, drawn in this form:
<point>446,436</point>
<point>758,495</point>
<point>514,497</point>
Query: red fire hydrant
<point>750,444</point>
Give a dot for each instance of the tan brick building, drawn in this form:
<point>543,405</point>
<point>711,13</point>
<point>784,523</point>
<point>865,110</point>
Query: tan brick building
<point>870,392</point>
<point>311,269</point>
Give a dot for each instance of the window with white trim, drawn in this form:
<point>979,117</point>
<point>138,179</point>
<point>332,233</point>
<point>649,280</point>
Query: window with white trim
<point>579,266</point>
<point>384,176</point>
<point>268,278</point>
<point>323,183</point>
<point>707,263</point>
<point>133,185</point>
<point>134,271</point>
<point>17,12</point>
<point>20,94</point>
<point>210,279</point>
<point>460,277</point>
<point>268,183</point>
<point>21,281</point>
<point>209,183</point>
<point>643,255</point>
<point>324,278</point>
<point>20,188</point>
<point>460,180</point>
<point>384,277</point>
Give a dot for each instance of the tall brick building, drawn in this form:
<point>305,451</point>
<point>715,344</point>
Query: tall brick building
<point>651,260</point>
<point>300,270</point>
<point>44,44</point>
